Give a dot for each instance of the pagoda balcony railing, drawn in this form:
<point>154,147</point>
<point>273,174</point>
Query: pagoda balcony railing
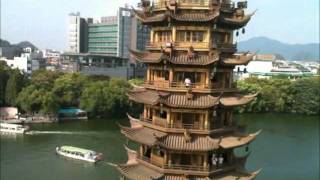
<point>183,3</point>
<point>193,44</point>
<point>182,85</point>
<point>196,45</point>
<point>177,85</point>
<point>174,166</point>
<point>163,123</point>
<point>186,167</point>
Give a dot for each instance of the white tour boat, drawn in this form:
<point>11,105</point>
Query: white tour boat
<point>79,153</point>
<point>13,128</point>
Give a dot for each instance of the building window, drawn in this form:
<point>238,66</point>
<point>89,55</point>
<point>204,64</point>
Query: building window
<point>190,36</point>
<point>164,36</point>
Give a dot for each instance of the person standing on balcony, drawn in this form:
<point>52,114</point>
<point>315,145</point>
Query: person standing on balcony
<point>214,160</point>
<point>187,82</point>
<point>221,160</point>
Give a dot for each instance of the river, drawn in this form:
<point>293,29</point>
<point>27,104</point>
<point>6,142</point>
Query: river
<point>287,149</point>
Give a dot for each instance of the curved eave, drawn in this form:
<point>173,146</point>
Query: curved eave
<point>144,97</point>
<point>198,144</point>
<point>238,175</point>
<point>194,17</point>
<point>200,102</point>
<point>238,60</point>
<point>132,155</point>
<point>143,135</point>
<point>235,23</point>
<point>146,57</point>
<point>138,171</point>
<point>237,141</point>
<point>149,19</point>
<point>135,123</point>
<point>237,100</point>
<point>198,60</point>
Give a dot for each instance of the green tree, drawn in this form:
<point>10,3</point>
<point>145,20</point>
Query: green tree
<point>4,76</point>
<point>32,99</point>
<point>104,98</point>
<point>68,89</point>
<point>44,79</point>
<point>14,85</point>
<point>306,96</point>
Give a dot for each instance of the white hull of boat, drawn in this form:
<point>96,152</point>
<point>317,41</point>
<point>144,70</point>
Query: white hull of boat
<point>13,129</point>
<point>93,160</point>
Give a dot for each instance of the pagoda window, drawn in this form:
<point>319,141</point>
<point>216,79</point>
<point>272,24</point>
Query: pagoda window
<point>160,75</point>
<point>191,36</point>
<point>163,36</point>
<point>221,37</point>
<point>195,77</point>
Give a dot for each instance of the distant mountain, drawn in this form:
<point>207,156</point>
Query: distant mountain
<point>288,51</point>
<point>4,43</point>
<point>25,44</point>
<point>11,50</point>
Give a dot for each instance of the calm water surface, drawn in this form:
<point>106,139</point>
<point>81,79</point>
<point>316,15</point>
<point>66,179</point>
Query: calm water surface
<point>287,149</point>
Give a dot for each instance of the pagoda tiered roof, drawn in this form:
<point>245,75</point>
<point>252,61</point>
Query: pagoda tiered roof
<point>182,59</point>
<point>185,142</point>
<point>176,100</point>
<point>181,16</point>
<point>181,100</point>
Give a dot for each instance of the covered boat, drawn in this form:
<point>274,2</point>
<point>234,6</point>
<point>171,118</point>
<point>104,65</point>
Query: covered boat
<point>13,128</point>
<point>79,153</point>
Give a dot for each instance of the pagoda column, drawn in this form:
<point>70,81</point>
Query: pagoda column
<point>205,161</point>
<point>208,36</point>
<point>145,112</point>
<point>206,120</point>
<point>170,76</point>
<point>141,150</point>
<point>151,36</point>
<point>174,33</point>
<point>148,74</point>
<point>208,78</point>
<point>169,159</point>
<point>168,118</point>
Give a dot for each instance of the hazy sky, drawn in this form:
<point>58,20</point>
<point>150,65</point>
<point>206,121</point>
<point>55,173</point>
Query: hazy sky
<point>44,22</point>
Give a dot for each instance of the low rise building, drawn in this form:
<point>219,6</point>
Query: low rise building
<point>27,62</point>
<point>267,66</point>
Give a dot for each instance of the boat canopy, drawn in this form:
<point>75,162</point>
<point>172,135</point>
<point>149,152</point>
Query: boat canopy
<point>75,149</point>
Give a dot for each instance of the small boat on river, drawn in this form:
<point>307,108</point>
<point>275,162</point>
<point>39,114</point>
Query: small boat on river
<point>6,128</point>
<point>79,153</point>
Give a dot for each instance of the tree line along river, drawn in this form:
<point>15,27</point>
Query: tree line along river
<point>287,149</point>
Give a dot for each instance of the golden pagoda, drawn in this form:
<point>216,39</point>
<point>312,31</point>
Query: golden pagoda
<point>187,130</point>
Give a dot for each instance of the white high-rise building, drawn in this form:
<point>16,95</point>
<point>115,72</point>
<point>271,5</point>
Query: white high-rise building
<point>77,31</point>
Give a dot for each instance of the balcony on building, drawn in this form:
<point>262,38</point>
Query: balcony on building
<point>176,162</point>
<point>184,4</point>
<point>179,120</point>
<point>180,38</point>
<point>201,80</point>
